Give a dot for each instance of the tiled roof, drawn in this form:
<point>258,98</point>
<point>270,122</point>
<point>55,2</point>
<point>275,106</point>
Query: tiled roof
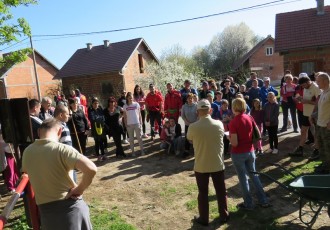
<point>241,61</point>
<point>100,59</point>
<point>302,29</point>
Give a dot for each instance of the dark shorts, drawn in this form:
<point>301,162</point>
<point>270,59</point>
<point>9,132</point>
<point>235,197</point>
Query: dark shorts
<point>303,120</point>
<point>65,215</point>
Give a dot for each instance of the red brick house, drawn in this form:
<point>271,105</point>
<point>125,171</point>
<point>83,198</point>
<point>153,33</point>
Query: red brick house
<point>19,80</point>
<point>262,59</point>
<point>107,69</point>
<point>303,39</point>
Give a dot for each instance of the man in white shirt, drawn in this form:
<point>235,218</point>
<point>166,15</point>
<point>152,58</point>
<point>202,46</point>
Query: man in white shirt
<point>311,92</point>
<point>323,123</point>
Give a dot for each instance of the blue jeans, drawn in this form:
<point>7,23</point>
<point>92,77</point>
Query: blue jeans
<point>244,163</point>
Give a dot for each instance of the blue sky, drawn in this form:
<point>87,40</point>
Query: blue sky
<point>73,16</point>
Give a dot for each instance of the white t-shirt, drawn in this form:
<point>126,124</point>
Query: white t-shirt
<point>312,91</point>
<point>132,112</point>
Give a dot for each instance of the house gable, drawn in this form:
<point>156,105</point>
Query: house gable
<point>101,59</point>
<point>20,81</point>
<point>302,29</point>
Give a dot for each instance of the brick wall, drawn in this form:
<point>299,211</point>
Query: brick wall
<point>272,66</point>
<point>21,82</point>
<point>91,86</point>
<point>320,56</point>
<point>133,69</point>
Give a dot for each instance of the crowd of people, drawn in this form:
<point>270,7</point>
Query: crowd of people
<point>219,119</point>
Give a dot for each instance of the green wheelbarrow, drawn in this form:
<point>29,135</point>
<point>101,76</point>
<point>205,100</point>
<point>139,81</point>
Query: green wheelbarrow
<point>313,189</point>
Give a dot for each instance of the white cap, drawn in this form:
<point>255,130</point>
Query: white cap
<point>303,75</point>
<point>266,79</point>
<point>203,104</point>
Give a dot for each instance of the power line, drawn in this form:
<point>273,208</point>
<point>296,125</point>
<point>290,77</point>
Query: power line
<point>171,22</point>
<point>14,44</point>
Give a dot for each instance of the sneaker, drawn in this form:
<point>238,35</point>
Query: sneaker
<point>308,142</point>
<point>198,220</point>
<point>268,151</point>
<point>145,136</point>
<point>298,152</point>
<point>125,141</point>
<point>242,206</point>
<point>104,158</point>
<point>295,131</point>
<point>275,151</point>
<point>259,152</point>
<point>282,130</point>
<point>315,155</point>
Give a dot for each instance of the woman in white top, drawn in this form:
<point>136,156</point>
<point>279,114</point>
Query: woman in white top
<point>133,121</point>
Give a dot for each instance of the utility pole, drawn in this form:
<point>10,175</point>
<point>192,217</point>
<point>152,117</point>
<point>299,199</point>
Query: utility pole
<point>35,69</point>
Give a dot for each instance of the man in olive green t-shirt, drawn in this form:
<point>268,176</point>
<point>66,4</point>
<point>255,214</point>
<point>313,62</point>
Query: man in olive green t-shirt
<point>206,135</point>
<point>48,164</point>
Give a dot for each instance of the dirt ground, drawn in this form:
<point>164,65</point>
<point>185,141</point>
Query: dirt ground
<point>158,191</point>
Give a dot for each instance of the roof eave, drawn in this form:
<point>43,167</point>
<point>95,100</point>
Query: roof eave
<point>84,75</point>
<point>300,48</point>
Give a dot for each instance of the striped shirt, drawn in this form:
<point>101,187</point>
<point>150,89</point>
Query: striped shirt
<point>65,135</point>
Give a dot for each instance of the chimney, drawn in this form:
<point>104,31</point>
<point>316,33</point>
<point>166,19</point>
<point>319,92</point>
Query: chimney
<point>320,7</point>
<point>106,43</point>
<point>89,46</point>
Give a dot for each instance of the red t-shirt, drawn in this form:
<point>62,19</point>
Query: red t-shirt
<point>241,125</point>
<point>153,101</point>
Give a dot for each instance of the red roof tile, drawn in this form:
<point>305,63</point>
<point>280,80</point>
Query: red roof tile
<point>302,29</point>
<point>100,59</point>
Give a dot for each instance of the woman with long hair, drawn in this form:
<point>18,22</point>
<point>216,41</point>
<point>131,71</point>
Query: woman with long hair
<point>96,118</point>
<point>133,121</point>
<point>112,115</point>
<point>78,125</point>
<point>140,98</point>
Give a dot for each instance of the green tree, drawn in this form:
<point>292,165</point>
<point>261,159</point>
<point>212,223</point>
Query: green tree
<point>10,31</point>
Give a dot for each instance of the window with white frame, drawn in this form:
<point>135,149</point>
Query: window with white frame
<point>269,51</point>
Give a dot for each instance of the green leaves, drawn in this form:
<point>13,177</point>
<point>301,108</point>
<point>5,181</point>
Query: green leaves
<point>11,31</point>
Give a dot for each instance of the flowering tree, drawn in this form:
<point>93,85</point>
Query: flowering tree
<point>166,72</point>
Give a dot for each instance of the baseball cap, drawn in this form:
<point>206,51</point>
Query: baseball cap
<point>266,79</point>
<point>303,75</point>
<point>203,104</point>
